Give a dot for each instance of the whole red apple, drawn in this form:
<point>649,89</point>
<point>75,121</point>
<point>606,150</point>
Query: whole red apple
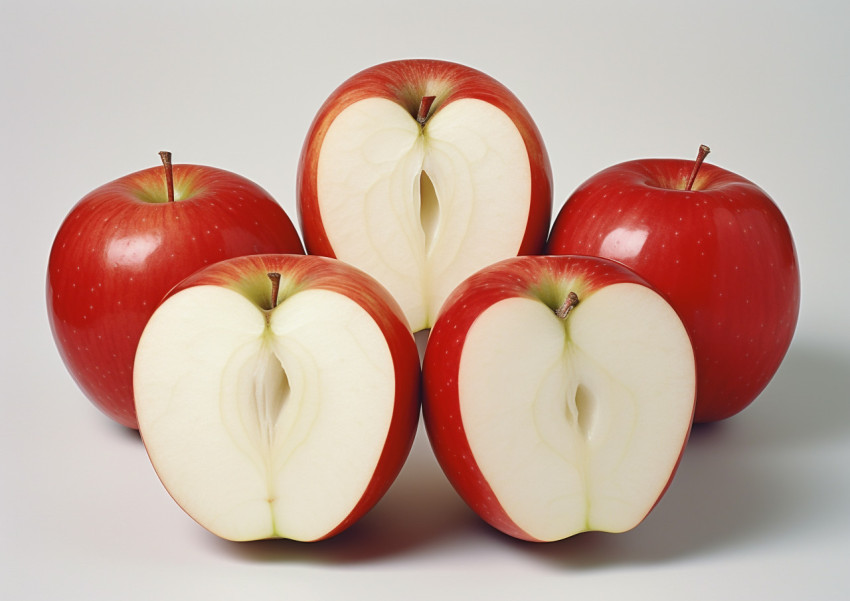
<point>420,172</point>
<point>277,395</point>
<point>716,245</point>
<point>125,244</point>
<point>558,395</point>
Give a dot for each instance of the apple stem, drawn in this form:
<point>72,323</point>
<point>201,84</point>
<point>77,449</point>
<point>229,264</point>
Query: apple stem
<point>424,107</point>
<point>703,152</point>
<point>569,304</point>
<point>169,173</point>
<point>275,279</point>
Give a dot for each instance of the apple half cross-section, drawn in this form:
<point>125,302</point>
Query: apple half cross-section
<point>277,396</point>
<point>559,393</point>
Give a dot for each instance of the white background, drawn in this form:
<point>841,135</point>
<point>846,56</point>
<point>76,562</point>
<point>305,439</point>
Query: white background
<point>90,91</point>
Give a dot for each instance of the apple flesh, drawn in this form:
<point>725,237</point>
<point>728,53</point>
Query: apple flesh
<point>558,395</point>
<point>277,408</point>
<point>125,244</point>
<point>716,245</point>
<point>420,172</point>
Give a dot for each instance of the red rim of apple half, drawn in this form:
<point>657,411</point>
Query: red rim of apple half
<point>522,417</point>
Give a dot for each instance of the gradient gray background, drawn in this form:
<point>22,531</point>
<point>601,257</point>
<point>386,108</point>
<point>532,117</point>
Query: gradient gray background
<point>92,90</point>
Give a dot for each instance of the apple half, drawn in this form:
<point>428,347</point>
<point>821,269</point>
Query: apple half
<point>277,395</point>
<point>421,172</point>
<point>558,395</point>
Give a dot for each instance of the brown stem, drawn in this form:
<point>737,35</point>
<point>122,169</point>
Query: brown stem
<point>703,152</point>
<point>275,278</point>
<point>569,304</point>
<point>424,107</point>
<point>169,173</point>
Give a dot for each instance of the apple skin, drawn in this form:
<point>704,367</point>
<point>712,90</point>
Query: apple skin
<point>248,274</point>
<point>404,82</point>
<point>722,253</point>
<point>535,277</point>
<point>123,246</point>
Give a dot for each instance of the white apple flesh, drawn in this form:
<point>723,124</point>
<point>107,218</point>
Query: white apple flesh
<point>566,424</point>
<point>267,422</point>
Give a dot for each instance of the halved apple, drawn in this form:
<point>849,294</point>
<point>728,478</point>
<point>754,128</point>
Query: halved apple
<point>559,393</point>
<point>421,172</point>
<point>277,395</point>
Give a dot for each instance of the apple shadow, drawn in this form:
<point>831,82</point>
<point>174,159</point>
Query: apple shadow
<point>123,433</point>
<point>744,481</point>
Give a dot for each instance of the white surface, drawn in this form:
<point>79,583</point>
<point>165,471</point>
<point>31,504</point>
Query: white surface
<point>92,90</point>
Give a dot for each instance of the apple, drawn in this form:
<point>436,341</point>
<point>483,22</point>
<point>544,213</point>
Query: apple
<point>125,244</point>
<point>558,395</point>
<point>277,395</point>
<point>716,245</point>
<point>420,172</point>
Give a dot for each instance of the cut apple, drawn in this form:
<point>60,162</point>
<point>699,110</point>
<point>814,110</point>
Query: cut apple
<point>421,189</point>
<point>267,418</point>
<point>562,423</point>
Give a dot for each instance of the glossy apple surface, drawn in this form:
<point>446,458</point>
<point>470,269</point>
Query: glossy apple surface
<point>420,172</point>
<point>721,252</point>
<point>124,245</point>
<point>558,395</point>
<point>277,410</point>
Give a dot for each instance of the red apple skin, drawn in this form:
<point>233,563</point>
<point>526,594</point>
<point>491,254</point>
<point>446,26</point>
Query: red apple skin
<point>249,273</point>
<point>122,247</point>
<point>517,277</point>
<point>405,82</point>
<point>722,253</point>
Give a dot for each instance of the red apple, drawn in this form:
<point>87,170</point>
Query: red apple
<point>125,244</point>
<point>558,395</point>
<point>277,395</point>
<point>421,172</point>
<point>716,245</point>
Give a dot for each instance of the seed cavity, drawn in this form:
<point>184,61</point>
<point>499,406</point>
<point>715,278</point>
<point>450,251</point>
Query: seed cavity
<point>429,209</point>
<point>581,410</point>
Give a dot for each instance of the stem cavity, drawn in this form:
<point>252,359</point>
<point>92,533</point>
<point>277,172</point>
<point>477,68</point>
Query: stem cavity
<point>169,173</point>
<point>424,108</point>
<point>429,209</point>
<point>703,152</point>
<point>569,304</point>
